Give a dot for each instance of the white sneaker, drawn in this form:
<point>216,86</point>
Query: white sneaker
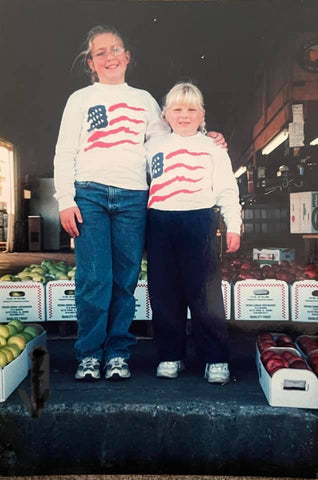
<point>117,369</point>
<point>217,373</point>
<point>170,369</point>
<point>88,369</point>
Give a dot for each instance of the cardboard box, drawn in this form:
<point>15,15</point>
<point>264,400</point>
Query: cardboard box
<point>12,375</point>
<point>60,300</point>
<point>271,256</point>
<point>304,301</point>
<point>304,212</point>
<point>142,306</point>
<point>22,300</point>
<point>288,387</point>
<point>39,341</point>
<point>261,300</point>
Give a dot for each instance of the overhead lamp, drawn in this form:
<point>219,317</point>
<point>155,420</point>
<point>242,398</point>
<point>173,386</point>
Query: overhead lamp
<point>242,169</point>
<point>275,142</point>
<point>314,141</point>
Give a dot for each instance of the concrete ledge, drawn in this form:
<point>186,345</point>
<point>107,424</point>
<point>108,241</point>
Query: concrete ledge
<point>151,426</point>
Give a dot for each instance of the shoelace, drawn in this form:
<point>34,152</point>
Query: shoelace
<point>89,362</point>
<point>117,362</point>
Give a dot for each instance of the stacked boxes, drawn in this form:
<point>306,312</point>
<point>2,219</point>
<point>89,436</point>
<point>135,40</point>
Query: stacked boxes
<point>22,300</point>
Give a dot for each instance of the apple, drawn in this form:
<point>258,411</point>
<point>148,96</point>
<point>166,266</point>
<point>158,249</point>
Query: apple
<point>17,340</point>
<point>4,331</point>
<point>275,361</point>
<point>299,364</point>
<point>12,329</point>
<point>31,330</point>
<point>265,345</point>
<point>3,341</point>
<point>278,367</point>
<point>27,336</point>
<point>17,323</point>
<point>14,349</point>
<point>7,278</point>
<point>3,359</point>
<point>8,354</point>
<point>266,355</point>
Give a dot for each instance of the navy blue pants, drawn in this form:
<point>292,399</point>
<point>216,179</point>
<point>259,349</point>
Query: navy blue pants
<point>184,271</point>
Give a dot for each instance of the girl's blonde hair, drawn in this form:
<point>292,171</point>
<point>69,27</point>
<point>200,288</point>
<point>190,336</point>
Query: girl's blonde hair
<point>185,93</point>
<point>85,54</point>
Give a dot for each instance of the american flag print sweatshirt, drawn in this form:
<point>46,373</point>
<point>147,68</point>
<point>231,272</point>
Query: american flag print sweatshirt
<point>101,139</point>
<point>190,173</point>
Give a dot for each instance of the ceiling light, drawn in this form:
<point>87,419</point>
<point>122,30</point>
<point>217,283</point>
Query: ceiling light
<point>240,171</point>
<point>275,142</point>
<point>314,141</point>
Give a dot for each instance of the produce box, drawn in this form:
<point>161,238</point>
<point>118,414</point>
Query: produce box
<point>12,375</point>
<point>304,301</point>
<point>261,300</point>
<point>60,300</point>
<point>271,256</point>
<point>22,300</point>
<point>304,212</point>
<point>142,306</point>
<point>39,341</point>
<point>288,387</point>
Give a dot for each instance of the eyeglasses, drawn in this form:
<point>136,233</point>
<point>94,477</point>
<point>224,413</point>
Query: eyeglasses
<point>116,50</point>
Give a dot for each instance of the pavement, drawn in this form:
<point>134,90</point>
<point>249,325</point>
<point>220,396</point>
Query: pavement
<point>147,426</point>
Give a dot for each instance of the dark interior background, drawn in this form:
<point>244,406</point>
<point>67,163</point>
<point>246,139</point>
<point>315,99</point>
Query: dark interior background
<point>217,44</point>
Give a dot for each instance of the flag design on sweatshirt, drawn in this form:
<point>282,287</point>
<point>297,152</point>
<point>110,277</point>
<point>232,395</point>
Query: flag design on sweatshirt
<point>178,172</point>
<point>117,124</point>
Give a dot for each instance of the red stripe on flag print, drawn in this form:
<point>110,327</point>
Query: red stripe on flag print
<point>97,135</point>
<point>123,118</point>
<point>177,165</point>
<point>184,150</point>
<point>108,145</point>
<point>124,105</point>
<point>159,186</point>
<point>161,198</point>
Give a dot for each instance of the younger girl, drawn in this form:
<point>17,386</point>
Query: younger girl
<point>101,188</point>
<point>190,174</point>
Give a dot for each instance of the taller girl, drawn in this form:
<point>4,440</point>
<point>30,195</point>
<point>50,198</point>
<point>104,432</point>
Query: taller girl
<point>101,188</point>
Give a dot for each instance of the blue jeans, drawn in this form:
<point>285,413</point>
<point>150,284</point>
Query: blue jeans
<point>108,254</point>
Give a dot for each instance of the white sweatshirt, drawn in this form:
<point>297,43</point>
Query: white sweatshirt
<point>190,173</point>
<point>101,139</point>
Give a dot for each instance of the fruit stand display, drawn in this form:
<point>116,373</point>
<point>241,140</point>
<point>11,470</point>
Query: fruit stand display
<point>286,375</point>
<point>17,342</point>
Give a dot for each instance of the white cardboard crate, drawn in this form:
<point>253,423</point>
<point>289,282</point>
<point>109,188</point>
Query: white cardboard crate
<point>288,387</point>
<point>304,301</point>
<point>303,212</point>
<point>39,341</point>
<point>261,300</point>
<point>270,256</point>
<point>22,300</point>
<point>142,306</point>
<point>12,375</point>
<point>60,300</point>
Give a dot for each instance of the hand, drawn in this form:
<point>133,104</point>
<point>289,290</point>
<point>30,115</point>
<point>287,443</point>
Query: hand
<point>68,218</point>
<point>218,139</point>
<point>233,241</point>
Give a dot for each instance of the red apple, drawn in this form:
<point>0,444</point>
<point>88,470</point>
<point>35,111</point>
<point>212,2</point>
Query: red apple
<point>267,355</point>
<point>283,339</point>
<point>299,364</point>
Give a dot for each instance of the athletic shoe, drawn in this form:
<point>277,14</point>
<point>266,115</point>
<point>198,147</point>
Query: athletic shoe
<point>117,369</point>
<point>88,369</point>
<point>170,369</point>
<point>217,373</point>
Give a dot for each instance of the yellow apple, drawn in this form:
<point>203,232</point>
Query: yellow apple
<point>14,349</point>
<point>3,360</point>
<point>17,340</point>
<point>7,353</point>
<point>4,331</point>
<point>3,341</point>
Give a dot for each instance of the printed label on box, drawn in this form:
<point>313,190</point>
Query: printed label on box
<point>22,300</point>
<point>60,300</point>
<point>261,300</point>
<point>304,301</point>
<point>142,305</point>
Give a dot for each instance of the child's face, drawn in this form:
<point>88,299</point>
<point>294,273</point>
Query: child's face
<point>109,59</point>
<point>184,120</point>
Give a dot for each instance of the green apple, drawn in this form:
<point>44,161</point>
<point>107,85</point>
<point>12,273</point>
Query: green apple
<point>18,341</point>
<point>17,323</point>
<point>4,331</point>
<point>12,329</point>
<point>39,270</point>
<point>3,359</point>
<point>23,274</point>
<point>34,329</point>
<point>27,336</point>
